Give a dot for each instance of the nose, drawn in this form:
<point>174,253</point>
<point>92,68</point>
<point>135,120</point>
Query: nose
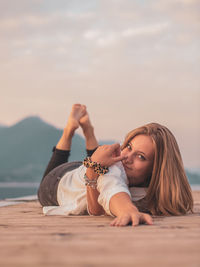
<point>129,157</point>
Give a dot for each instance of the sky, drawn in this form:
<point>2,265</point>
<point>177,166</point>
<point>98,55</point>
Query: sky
<point>131,62</point>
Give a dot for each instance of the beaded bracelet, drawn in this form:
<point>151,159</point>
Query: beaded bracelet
<point>89,182</point>
<point>88,163</point>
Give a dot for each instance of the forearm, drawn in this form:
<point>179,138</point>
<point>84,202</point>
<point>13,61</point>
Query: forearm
<point>92,196</point>
<point>105,155</point>
<point>121,203</point>
<point>124,210</point>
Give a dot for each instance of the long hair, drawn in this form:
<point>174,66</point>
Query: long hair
<point>169,192</point>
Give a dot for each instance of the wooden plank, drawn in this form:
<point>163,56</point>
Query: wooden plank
<point>28,238</point>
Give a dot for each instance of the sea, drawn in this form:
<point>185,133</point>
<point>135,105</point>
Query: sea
<point>21,189</point>
<point>17,189</point>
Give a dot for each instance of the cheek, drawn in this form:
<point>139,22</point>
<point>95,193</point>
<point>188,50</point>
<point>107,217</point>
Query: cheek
<point>142,167</point>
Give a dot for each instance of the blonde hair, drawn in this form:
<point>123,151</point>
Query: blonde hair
<point>169,192</point>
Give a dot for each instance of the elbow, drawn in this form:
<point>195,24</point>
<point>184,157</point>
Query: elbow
<point>96,212</point>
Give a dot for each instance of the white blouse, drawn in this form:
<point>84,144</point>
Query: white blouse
<point>71,193</point>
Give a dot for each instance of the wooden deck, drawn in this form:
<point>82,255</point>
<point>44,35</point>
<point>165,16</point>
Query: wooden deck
<point>28,238</point>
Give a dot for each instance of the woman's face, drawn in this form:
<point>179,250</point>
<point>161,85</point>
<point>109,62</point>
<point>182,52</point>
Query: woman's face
<point>139,163</point>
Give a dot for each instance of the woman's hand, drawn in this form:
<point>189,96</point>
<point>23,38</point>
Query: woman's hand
<point>122,207</point>
<point>107,155</point>
<point>133,217</point>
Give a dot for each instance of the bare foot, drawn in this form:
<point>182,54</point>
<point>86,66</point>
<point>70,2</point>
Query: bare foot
<point>88,131</point>
<point>85,122</point>
<point>77,112</point>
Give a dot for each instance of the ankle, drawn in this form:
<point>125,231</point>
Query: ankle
<point>88,131</point>
<point>68,132</point>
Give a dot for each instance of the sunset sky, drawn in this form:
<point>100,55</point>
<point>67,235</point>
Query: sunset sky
<point>131,62</point>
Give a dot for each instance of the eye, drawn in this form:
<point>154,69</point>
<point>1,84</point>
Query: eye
<point>129,146</point>
<point>141,157</point>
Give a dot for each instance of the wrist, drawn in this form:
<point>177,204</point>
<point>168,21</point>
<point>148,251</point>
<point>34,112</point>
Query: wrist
<point>90,182</point>
<point>97,167</point>
<point>91,174</point>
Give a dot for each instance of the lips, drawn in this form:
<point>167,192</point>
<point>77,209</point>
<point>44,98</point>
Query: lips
<point>125,167</point>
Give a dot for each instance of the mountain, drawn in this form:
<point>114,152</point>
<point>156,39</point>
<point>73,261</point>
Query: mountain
<point>193,177</point>
<point>2,127</point>
<point>26,148</point>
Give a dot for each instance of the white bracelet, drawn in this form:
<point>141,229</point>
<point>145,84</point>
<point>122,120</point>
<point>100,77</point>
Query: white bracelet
<point>89,182</point>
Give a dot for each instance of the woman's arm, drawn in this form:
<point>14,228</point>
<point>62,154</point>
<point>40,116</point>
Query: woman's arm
<point>94,208</point>
<point>120,204</point>
<point>122,207</point>
<point>105,155</point>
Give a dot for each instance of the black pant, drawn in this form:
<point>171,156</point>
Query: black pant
<point>56,168</point>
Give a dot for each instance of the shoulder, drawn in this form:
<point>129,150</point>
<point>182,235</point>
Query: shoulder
<point>116,174</point>
<point>116,168</point>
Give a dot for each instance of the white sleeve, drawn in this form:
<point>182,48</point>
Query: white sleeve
<point>115,181</point>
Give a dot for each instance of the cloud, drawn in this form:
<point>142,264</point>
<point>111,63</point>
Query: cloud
<point>101,39</point>
<point>136,61</point>
<point>181,12</point>
<point>91,34</point>
<point>146,30</point>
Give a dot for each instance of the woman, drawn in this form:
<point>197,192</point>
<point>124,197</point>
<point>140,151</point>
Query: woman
<point>145,174</point>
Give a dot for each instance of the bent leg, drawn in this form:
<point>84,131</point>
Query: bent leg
<point>58,157</point>
<point>47,193</point>
<point>88,131</point>
<point>60,154</point>
<point>62,150</point>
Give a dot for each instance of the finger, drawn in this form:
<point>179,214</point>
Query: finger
<point>118,152</point>
<point>115,146</point>
<point>117,222</point>
<point>125,221</point>
<point>135,220</point>
<point>120,158</point>
<point>113,222</point>
<point>146,218</point>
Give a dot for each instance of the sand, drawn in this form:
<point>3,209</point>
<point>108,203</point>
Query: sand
<point>28,238</point>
